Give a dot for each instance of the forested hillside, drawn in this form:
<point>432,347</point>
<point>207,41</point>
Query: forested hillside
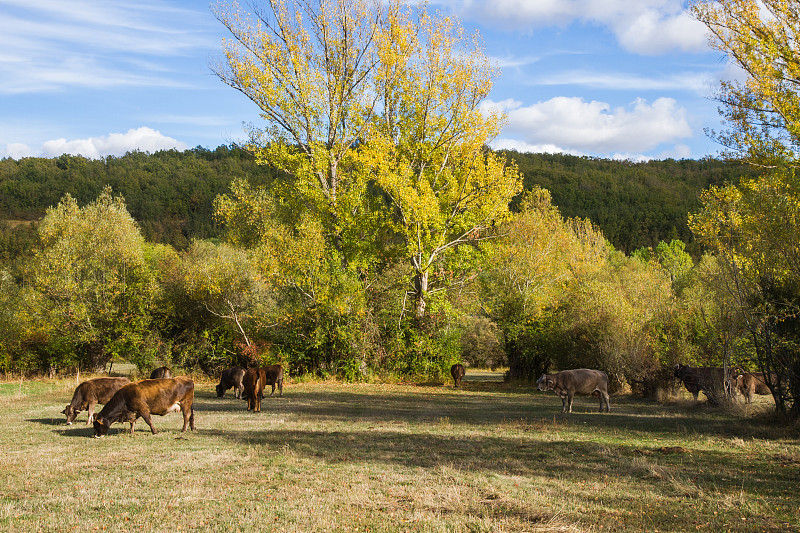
<point>634,204</point>
<point>170,193</point>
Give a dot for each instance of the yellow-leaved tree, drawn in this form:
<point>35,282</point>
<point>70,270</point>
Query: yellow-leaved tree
<point>427,148</point>
<point>763,111</point>
<point>373,109</point>
<point>309,66</point>
<point>753,229</point>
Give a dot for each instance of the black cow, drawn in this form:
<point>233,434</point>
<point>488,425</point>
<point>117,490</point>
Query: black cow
<point>708,379</point>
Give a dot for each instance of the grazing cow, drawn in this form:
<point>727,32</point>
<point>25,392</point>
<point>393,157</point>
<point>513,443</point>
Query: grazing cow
<point>457,371</point>
<point>568,383</point>
<point>274,377</point>
<point>749,383</point>
<point>706,379</point>
<point>254,380</point>
<point>161,373</point>
<point>231,377</point>
<point>90,393</point>
<point>145,398</point>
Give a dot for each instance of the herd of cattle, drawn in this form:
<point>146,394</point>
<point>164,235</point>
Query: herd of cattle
<point>124,401</point>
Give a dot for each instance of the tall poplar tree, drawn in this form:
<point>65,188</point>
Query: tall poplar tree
<point>763,111</point>
<point>373,108</point>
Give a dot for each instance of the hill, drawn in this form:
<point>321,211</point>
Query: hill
<point>171,193</point>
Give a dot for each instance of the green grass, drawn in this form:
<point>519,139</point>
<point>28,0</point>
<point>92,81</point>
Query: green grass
<point>340,457</point>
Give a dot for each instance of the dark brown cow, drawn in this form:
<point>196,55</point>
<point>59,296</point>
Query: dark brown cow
<point>750,383</point>
<point>231,377</point>
<point>457,371</point>
<point>274,377</point>
<point>161,373</point>
<point>568,383</point>
<point>702,378</point>
<point>90,393</point>
<point>145,398</point>
<point>254,380</point>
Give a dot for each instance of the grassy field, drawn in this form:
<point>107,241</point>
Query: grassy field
<point>366,457</point>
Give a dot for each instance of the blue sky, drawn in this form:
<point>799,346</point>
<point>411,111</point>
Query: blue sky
<point>608,78</point>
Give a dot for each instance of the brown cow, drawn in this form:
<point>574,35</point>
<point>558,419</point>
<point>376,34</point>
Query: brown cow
<point>231,377</point>
<point>146,397</point>
<point>275,378</point>
<point>254,380</point>
<point>161,373</point>
<point>457,371</point>
<point>90,393</point>
<point>568,383</point>
<point>749,383</point>
<point>702,378</point>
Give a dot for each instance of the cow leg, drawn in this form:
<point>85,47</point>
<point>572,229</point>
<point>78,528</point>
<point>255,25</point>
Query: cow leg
<point>280,386</point>
<point>569,399</point>
<point>604,398</point>
<point>563,403</point>
<point>91,413</point>
<point>146,418</point>
<point>273,390</point>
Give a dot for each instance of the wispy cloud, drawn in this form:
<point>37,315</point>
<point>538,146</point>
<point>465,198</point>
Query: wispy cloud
<point>700,83</point>
<point>646,27</point>
<point>49,44</point>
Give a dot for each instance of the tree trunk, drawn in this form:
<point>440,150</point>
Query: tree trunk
<point>420,293</point>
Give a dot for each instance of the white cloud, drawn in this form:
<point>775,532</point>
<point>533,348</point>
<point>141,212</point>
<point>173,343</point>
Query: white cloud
<point>16,151</point>
<point>642,26</point>
<point>577,126</point>
<point>143,139</point>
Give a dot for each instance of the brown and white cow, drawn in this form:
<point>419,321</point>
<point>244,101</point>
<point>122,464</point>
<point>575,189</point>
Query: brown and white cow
<point>708,379</point>
<point>90,393</point>
<point>253,381</point>
<point>161,373</point>
<point>231,377</point>
<point>145,398</point>
<point>568,383</point>
<point>457,371</point>
<point>750,383</point>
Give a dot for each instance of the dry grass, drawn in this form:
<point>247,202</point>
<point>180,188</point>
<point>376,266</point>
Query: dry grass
<point>492,457</point>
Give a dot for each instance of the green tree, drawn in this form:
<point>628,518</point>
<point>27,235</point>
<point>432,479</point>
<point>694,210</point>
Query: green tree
<point>95,285</point>
<point>754,232</point>
<point>223,279</point>
<point>527,276</point>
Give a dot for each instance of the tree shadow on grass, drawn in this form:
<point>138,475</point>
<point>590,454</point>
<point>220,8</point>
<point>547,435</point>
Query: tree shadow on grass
<point>628,414</point>
<point>677,475</point>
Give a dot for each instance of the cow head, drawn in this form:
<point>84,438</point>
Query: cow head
<point>71,413</point>
<point>544,383</point>
<point>220,391</point>
<point>679,370</point>
<point>101,426</point>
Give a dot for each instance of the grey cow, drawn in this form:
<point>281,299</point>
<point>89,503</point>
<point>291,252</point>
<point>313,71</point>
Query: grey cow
<point>568,383</point>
